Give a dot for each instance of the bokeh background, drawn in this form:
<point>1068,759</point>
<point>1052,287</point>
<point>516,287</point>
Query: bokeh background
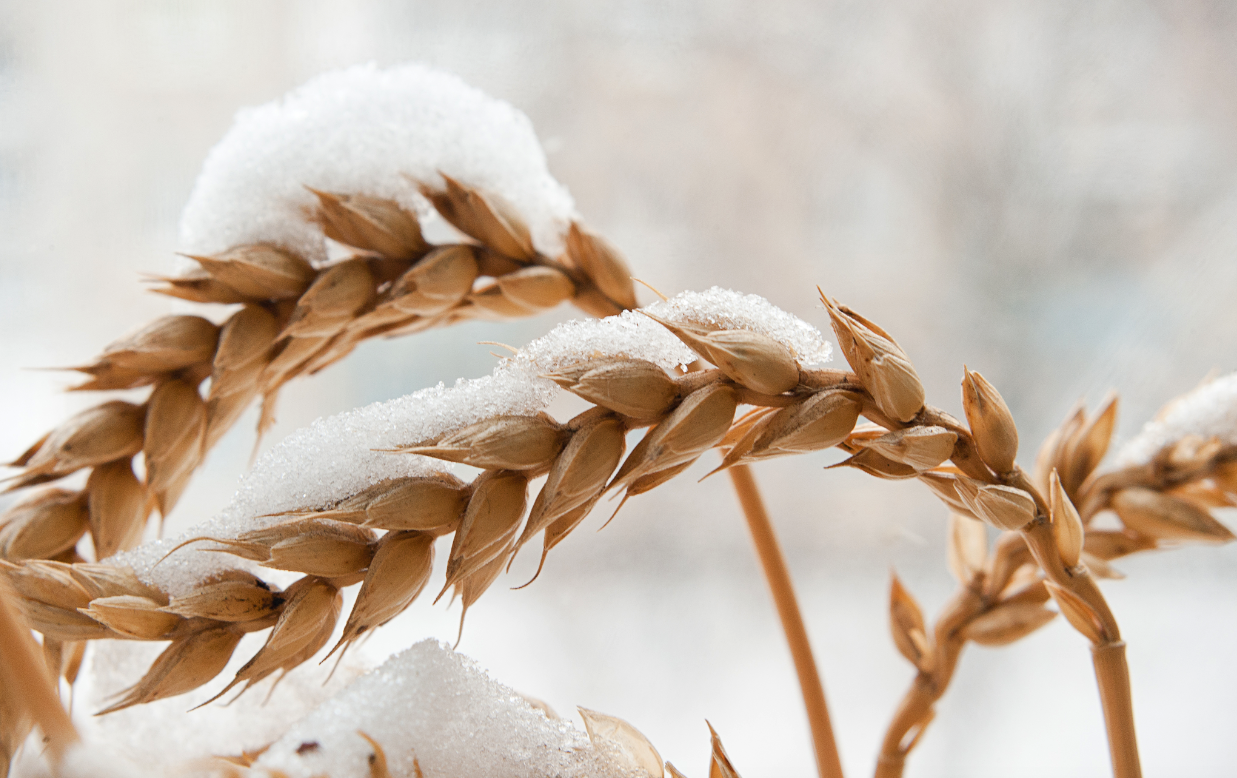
<point>1044,191</point>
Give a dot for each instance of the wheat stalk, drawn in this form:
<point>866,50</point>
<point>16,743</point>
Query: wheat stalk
<point>1166,500</point>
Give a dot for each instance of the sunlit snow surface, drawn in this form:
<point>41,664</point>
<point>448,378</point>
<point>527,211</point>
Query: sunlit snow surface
<point>426,703</point>
<point>441,708</point>
<point>373,131</point>
<point>337,457</point>
<point>1208,411</point>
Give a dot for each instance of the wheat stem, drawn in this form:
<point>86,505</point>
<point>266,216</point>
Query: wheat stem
<point>24,678</point>
<point>773,562</point>
<point>1112,674</point>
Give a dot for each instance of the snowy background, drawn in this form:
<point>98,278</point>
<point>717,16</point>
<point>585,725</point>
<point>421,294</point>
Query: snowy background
<point>1046,192</point>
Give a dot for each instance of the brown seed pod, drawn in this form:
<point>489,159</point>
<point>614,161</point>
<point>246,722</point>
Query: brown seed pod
<point>992,425</point>
<point>490,525</point>
<point>536,288</point>
<point>622,742</point>
<point>632,387</point>
<point>167,343</point>
<point>483,217</point>
<point>750,359</point>
<point>198,286</point>
<point>1107,544</point>
<point>1066,523</point>
<point>97,435</point>
<point>400,569</point>
<point>334,299</point>
<point>877,464</point>
<point>879,362</point>
<point>175,433</point>
<point>699,423</point>
<point>579,474</point>
<point>1080,615</point>
<point>437,282</point>
<point>501,442</point>
<point>331,550</point>
<point>968,547</point>
<point>131,616</point>
<point>118,507</point>
<point>44,525</point>
<point>183,666</point>
<point>260,272</point>
<point>921,448</point>
<point>371,224</point>
<point>49,597</point>
<point>430,504</point>
<point>907,625</point>
<point>1159,516</point>
<point>1007,623</point>
<point>1083,452</point>
<point>232,596</point>
<point>604,267</point>
<point>305,625</point>
<point>244,348</point>
<point>1003,507</point>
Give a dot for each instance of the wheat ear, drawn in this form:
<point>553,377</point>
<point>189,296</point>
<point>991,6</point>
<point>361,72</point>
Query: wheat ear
<point>295,319</point>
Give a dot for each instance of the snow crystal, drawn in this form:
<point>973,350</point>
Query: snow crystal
<point>1208,411</point>
<point>337,457</point>
<point>365,130</point>
<point>440,708</point>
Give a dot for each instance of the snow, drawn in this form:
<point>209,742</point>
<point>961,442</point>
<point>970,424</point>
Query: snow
<point>337,457</point>
<point>1208,411</point>
<point>440,708</point>
<point>367,130</point>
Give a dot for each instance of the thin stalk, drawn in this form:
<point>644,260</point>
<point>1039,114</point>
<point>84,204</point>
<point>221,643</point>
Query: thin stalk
<point>25,679</point>
<point>772,561</point>
<point>1113,677</point>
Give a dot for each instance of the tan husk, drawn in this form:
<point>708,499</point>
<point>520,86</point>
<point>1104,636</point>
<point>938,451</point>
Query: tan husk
<point>370,223</point>
<point>906,624</point>
<point>175,434</point>
<point>233,596</point>
<point>118,507</point>
<point>502,442</point>
<point>632,387</point>
<point>43,526</point>
<point>399,571</point>
<point>991,423</point>
<point>260,271</point>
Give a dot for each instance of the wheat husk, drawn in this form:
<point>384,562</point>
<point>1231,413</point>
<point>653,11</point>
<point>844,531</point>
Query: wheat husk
<point>1160,516</point>
<point>168,343</point>
<point>483,217</point>
<point>118,507</point>
<point>1007,623</point>
<point>907,626</point>
<point>501,442</point>
<point>437,282</point>
<point>106,432</point>
<point>579,473</point>
<point>992,425</point>
<point>131,616</point>
<point>622,742</point>
<point>604,267</point>
<point>186,664</point>
<point>1066,523</point>
<point>304,626</point>
<point>699,422</point>
<point>233,596</point>
<point>879,362</point>
<point>175,434</point>
<point>631,387</point>
<point>370,223</point>
<point>750,359</point>
<point>399,571</point>
<point>967,547</point>
<point>920,448</point>
<point>47,524</point>
<point>490,525</point>
<point>260,271</point>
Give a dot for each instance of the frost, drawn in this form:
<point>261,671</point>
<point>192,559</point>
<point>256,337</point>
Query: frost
<point>337,457</point>
<point>440,708</point>
<point>365,130</point>
<point>1208,411</point>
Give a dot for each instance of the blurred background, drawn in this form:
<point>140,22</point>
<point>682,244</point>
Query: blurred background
<point>1043,191</point>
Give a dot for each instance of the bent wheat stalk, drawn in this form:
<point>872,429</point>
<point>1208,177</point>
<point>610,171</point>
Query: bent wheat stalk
<point>1165,500</point>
